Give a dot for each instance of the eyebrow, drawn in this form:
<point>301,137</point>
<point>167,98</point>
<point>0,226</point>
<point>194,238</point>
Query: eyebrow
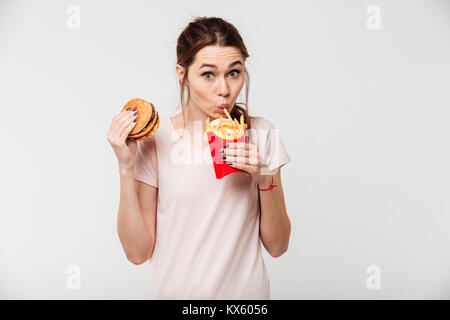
<point>214,66</point>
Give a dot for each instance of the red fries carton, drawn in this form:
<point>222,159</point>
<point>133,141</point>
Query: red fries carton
<point>220,132</point>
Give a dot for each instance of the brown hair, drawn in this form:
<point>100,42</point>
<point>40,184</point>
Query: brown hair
<point>202,32</point>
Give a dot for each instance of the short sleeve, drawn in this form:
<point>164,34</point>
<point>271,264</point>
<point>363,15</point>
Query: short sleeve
<point>146,162</point>
<point>270,145</point>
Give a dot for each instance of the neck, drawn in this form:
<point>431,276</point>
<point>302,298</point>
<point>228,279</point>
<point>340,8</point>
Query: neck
<point>193,115</point>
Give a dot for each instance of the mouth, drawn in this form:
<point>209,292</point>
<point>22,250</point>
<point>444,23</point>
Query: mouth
<point>221,107</point>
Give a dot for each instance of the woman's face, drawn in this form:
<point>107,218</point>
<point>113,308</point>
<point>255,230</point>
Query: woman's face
<point>215,77</point>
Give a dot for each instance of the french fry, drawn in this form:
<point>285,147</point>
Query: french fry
<point>227,128</point>
<point>228,115</point>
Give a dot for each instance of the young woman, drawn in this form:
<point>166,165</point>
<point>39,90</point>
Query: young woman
<point>202,235</point>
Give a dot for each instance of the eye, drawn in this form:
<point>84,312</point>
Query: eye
<point>205,73</point>
<point>208,78</point>
<point>237,72</point>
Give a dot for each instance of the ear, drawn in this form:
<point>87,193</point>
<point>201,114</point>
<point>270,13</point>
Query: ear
<point>180,72</point>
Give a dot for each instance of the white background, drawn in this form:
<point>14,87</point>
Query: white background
<point>364,114</point>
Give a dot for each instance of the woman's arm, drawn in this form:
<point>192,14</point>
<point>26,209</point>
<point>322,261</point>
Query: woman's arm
<point>136,222</point>
<point>275,227</point>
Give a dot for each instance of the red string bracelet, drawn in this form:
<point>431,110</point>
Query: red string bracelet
<point>269,188</point>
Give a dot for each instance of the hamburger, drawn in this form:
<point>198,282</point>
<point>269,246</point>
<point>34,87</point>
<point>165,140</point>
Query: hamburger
<point>147,121</point>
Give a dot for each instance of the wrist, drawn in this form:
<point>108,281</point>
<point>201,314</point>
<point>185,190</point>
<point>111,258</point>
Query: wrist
<point>265,182</point>
<point>126,170</point>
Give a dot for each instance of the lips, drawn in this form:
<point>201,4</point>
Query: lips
<point>223,106</point>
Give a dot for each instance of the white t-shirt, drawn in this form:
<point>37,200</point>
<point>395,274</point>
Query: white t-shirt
<point>207,230</point>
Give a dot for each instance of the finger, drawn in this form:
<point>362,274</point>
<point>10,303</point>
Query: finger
<point>242,160</point>
<point>122,114</point>
<point>127,129</point>
<point>131,121</point>
<point>117,124</point>
<point>240,152</point>
<point>241,145</point>
<point>122,126</point>
<point>243,166</point>
<point>125,117</point>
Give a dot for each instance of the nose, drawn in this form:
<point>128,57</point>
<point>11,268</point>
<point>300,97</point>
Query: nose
<point>223,89</point>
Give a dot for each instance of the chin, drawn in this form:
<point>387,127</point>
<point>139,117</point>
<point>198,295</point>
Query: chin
<point>217,114</point>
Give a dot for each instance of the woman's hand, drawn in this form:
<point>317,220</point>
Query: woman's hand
<point>125,149</point>
<point>245,156</point>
